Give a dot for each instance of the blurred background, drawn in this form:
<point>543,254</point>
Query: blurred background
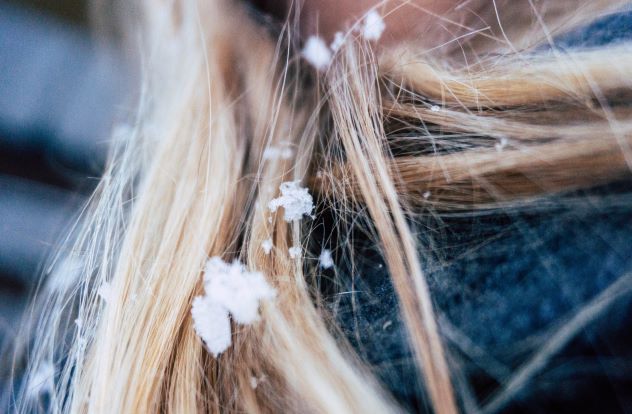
<point>61,90</point>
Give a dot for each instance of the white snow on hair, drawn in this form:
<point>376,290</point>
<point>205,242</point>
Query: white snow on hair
<point>373,26</point>
<point>255,381</point>
<point>267,245</point>
<point>232,290</point>
<point>212,324</point>
<point>295,252</point>
<point>317,53</point>
<point>500,145</point>
<point>325,259</point>
<point>339,39</point>
<point>295,200</point>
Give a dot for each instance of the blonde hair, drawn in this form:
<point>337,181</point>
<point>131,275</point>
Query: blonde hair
<point>188,181</point>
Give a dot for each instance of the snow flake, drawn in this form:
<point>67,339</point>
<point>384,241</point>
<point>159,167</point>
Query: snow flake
<point>267,246</point>
<point>339,39</point>
<point>295,252</point>
<point>373,26</point>
<point>230,290</point>
<point>325,259</point>
<point>295,200</point>
<point>212,324</point>
<point>317,53</point>
<point>500,145</point>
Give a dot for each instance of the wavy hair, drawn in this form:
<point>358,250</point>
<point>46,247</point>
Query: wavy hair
<point>496,118</point>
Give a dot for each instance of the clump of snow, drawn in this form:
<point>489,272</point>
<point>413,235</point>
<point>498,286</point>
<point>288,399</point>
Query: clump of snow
<point>254,381</point>
<point>230,290</point>
<point>325,259</point>
<point>267,245</point>
<point>373,26</point>
<point>295,200</point>
<point>426,195</point>
<point>339,39</point>
<point>212,324</point>
<point>500,145</point>
<point>295,252</point>
<point>236,289</point>
<point>317,53</point>
<point>435,108</point>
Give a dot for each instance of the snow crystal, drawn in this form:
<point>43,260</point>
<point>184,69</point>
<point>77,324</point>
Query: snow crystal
<point>267,245</point>
<point>317,53</point>
<point>230,290</point>
<point>212,324</point>
<point>295,200</point>
<point>295,252</point>
<point>236,289</point>
<point>501,144</point>
<point>325,259</point>
<point>435,108</point>
<point>373,26</point>
<point>426,195</point>
<point>254,381</point>
<point>339,39</point>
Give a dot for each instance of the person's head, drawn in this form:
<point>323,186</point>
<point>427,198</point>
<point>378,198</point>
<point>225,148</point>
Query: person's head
<point>460,107</point>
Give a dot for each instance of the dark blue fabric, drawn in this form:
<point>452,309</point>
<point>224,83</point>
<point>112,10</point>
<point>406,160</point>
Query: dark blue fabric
<point>613,29</point>
<point>504,280</point>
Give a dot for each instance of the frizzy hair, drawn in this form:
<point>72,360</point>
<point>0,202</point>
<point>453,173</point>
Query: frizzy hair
<point>372,136</point>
